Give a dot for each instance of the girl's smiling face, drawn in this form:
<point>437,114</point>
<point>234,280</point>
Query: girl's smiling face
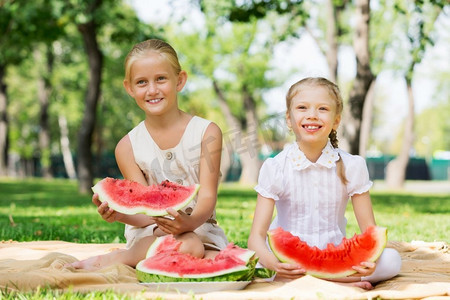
<point>312,115</point>
<point>154,84</point>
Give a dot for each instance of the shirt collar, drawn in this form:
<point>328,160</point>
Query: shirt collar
<point>327,159</point>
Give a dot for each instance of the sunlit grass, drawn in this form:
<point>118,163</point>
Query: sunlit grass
<point>39,209</point>
<point>36,209</point>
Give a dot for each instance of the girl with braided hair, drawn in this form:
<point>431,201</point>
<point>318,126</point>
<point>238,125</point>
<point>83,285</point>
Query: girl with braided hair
<point>310,182</point>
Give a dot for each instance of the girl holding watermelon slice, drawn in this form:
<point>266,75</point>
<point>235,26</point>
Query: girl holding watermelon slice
<point>310,182</point>
<point>168,145</point>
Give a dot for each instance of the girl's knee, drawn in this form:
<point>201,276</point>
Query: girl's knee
<point>392,262</point>
<point>388,266</point>
<point>191,244</point>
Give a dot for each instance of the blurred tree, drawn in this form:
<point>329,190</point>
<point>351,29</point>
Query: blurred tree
<point>353,112</point>
<point>235,57</point>
<point>328,36</point>
<point>91,17</point>
<point>418,20</point>
<point>18,30</point>
<point>58,49</point>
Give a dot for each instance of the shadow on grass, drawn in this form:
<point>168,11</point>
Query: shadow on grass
<point>80,228</point>
<point>40,193</point>
<point>429,204</point>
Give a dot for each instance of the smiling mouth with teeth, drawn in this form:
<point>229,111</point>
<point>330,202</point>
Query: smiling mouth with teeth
<point>311,127</point>
<point>154,100</point>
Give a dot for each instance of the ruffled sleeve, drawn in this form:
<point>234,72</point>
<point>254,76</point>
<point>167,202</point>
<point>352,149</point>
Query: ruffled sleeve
<point>270,181</point>
<point>357,174</point>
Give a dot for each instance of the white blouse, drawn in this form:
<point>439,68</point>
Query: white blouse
<point>310,198</point>
<point>179,164</point>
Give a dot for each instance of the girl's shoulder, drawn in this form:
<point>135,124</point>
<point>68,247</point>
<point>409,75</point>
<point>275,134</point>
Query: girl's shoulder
<point>199,121</point>
<point>139,128</point>
<point>196,128</point>
<point>279,160</point>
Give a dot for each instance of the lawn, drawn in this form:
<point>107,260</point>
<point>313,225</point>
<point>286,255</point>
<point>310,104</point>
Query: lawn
<point>36,209</point>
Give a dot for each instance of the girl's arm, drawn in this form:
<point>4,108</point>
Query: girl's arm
<point>211,152</point>
<point>362,207</point>
<point>131,171</point>
<point>257,240</point>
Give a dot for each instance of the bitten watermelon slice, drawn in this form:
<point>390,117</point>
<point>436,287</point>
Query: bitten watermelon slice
<point>333,261</point>
<point>165,264</point>
<point>131,198</point>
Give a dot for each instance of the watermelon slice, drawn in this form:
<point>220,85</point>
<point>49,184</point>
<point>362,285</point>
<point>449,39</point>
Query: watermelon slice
<point>333,261</point>
<point>131,198</point>
<point>165,264</point>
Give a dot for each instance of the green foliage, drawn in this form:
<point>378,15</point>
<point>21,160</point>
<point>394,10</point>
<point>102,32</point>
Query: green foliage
<point>433,135</point>
<point>260,9</point>
<point>414,26</point>
<point>22,24</point>
<point>57,24</point>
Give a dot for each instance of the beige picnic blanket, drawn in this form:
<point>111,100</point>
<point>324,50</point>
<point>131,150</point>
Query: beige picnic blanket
<point>25,266</point>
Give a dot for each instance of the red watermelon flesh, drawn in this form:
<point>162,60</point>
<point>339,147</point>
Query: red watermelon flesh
<point>131,198</point>
<point>165,263</point>
<point>333,261</point>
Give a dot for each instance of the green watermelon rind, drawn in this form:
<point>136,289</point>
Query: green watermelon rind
<point>380,236</point>
<point>238,273</point>
<point>264,273</point>
<point>241,275</point>
<point>246,273</point>
<point>103,196</point>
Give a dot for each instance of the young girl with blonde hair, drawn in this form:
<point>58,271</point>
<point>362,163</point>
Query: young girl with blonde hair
<point>310,182</point>
<point>168,145</point>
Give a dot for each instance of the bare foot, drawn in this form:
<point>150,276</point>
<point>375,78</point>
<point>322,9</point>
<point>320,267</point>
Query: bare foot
<point>361,284</point>
<point>95,262</point>
<point>90,264</point>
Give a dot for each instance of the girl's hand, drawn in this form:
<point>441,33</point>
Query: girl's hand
<point>176,225</point>
<point>365,269</point>
<point>108,214</point>
<point>288,271</point>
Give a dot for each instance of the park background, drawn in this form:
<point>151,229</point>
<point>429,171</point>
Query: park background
<point>63,107</point>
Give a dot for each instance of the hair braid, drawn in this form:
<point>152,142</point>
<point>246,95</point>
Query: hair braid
<point>333,138</point>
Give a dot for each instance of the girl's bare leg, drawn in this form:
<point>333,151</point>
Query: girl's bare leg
<point>123,256</point>
<point>210,254</point>
<point>191,244</point>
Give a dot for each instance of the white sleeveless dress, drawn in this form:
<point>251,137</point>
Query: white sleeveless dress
<point>179,164</point>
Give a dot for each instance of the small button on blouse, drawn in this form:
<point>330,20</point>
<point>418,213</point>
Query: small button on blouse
<point>169,155</point>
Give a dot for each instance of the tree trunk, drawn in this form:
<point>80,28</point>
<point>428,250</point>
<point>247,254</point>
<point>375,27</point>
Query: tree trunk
<point>245,144</point>
<point>363,79</point>
<point>44,90</point>
<point>4,144</point>
<point>366,124</point>
<point>229,137</point>
<point>85,161</point>
<point>249,153</point>
<point>396,168</point>
<point>332,40</point>
<point>65,147</point>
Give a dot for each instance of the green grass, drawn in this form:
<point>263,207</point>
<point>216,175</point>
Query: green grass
<point>37,209</point>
